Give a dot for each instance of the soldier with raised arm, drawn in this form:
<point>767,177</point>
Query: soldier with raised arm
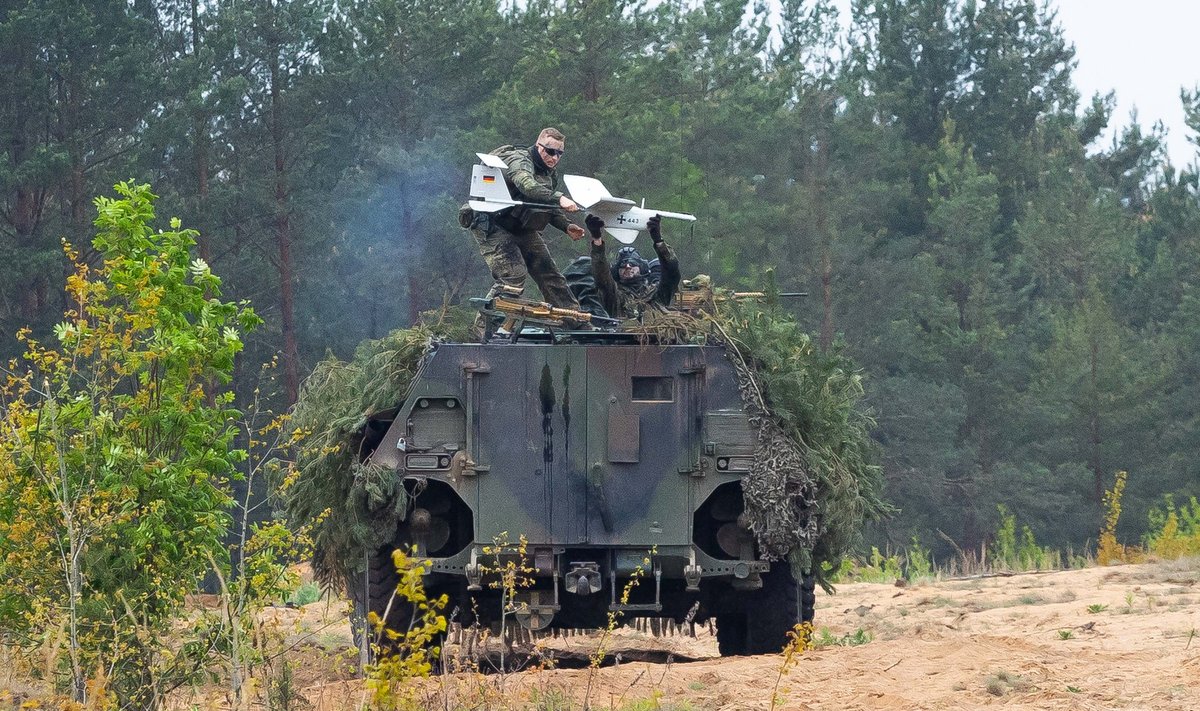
<point>629,287</point>
<point>511,240</point>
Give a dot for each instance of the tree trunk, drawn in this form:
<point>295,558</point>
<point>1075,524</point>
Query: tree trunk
<point>1094,462</point>
<point>821,225</point>
<point>826,297</point>
<point>415,293</point>
<point>200,151</point>
<point>25,216</point>
<point>414,307</point>
<point>283,238</point>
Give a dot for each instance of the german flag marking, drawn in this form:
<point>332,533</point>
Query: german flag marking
<point>489,178</point>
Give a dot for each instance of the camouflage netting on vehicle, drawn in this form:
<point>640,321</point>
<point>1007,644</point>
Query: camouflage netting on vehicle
<point>780,491</point>
<point>813,484</point>
<point>354,507</point>
<point>810,491</point>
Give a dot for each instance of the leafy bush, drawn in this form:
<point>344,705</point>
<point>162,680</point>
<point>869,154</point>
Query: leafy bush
<point>1174,531</point>
<point>115,451</point>
<point>1019,553</point>
<point>919,562</point>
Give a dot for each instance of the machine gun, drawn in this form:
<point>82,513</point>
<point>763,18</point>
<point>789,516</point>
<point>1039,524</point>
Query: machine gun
<point>506,305</point>
<point>698,294</point>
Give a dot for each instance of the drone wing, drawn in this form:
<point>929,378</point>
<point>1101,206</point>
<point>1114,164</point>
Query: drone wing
<point>492,161</point>
<point>593,196</point>
<point>673,215</point>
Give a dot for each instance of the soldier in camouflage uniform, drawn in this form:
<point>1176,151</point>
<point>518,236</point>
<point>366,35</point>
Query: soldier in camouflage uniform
<point>510,240</point>
<point>630,287</point>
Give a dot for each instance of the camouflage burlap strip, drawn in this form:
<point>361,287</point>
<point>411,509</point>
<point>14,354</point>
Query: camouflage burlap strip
<point>780,490</point>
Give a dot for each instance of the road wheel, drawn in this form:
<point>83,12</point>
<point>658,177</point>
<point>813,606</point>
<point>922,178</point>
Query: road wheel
<point>766,615</point>
<point>731,634</point>
<point>808,598</point>
<point>373,593</point>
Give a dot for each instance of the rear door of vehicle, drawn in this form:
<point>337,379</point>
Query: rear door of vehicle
<point>642,443</point>
<point>528,439</point>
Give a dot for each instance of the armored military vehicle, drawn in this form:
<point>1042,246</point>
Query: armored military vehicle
<point>609,471</point>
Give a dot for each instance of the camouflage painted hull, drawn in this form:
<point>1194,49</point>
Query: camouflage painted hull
<point>609,476</point>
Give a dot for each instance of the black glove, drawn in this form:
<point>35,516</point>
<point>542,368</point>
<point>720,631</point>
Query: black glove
<point>594,225</point>
<point>653,224</point>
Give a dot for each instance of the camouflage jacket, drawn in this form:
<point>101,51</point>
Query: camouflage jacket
<point>530,179</point>
<point>630,301</point>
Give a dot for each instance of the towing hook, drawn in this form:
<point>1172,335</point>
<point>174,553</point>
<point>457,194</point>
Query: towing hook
<point>583,578</point>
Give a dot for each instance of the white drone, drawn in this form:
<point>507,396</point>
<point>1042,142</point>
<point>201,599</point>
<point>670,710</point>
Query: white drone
<point>623,218</point>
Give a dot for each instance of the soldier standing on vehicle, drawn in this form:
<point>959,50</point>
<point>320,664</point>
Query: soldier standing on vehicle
<point>631,286</point>
<point>511,240</point>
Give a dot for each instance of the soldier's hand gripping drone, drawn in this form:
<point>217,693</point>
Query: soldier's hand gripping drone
<point>631,285</point>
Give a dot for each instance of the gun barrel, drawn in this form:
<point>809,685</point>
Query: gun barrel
<point>763,294</point>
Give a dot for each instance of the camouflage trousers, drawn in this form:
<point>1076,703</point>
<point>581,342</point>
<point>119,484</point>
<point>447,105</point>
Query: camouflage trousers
<point>511,256</point>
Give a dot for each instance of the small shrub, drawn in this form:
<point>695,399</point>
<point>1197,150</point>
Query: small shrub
<point>851,639</point>
<point>1020,553</point>
<point>920,562</point>
<point>1003,682</point>
<point>550,700</point>
<point>1110,551</point>
<point>799,640</point>
<point>306,594</point>
<point>1065,634</point>
<point>878,568</point>
<point>412,650</point>
<point>1096,608</point>
<point>282,694</point>
<point>654,703</point>
<point>1174,532</point>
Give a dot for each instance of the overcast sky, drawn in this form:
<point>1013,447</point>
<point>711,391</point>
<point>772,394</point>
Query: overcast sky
<point>1142,50</point>
<point>1138,49</point>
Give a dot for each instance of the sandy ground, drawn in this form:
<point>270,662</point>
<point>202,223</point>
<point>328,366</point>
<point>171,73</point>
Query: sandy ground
<point>1122,637</point>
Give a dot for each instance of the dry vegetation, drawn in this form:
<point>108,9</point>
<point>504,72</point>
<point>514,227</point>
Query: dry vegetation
<point>1098,638</point>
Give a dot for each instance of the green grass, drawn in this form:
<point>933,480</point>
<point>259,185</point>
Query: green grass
<point>825,638</point>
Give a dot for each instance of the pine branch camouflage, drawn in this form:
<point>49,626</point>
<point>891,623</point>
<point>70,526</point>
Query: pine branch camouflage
<point>811,488</point>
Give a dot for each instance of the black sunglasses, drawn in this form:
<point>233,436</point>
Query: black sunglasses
<point>552,151</point>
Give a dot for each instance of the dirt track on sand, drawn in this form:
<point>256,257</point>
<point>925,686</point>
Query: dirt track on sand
<point>1024,641</point>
